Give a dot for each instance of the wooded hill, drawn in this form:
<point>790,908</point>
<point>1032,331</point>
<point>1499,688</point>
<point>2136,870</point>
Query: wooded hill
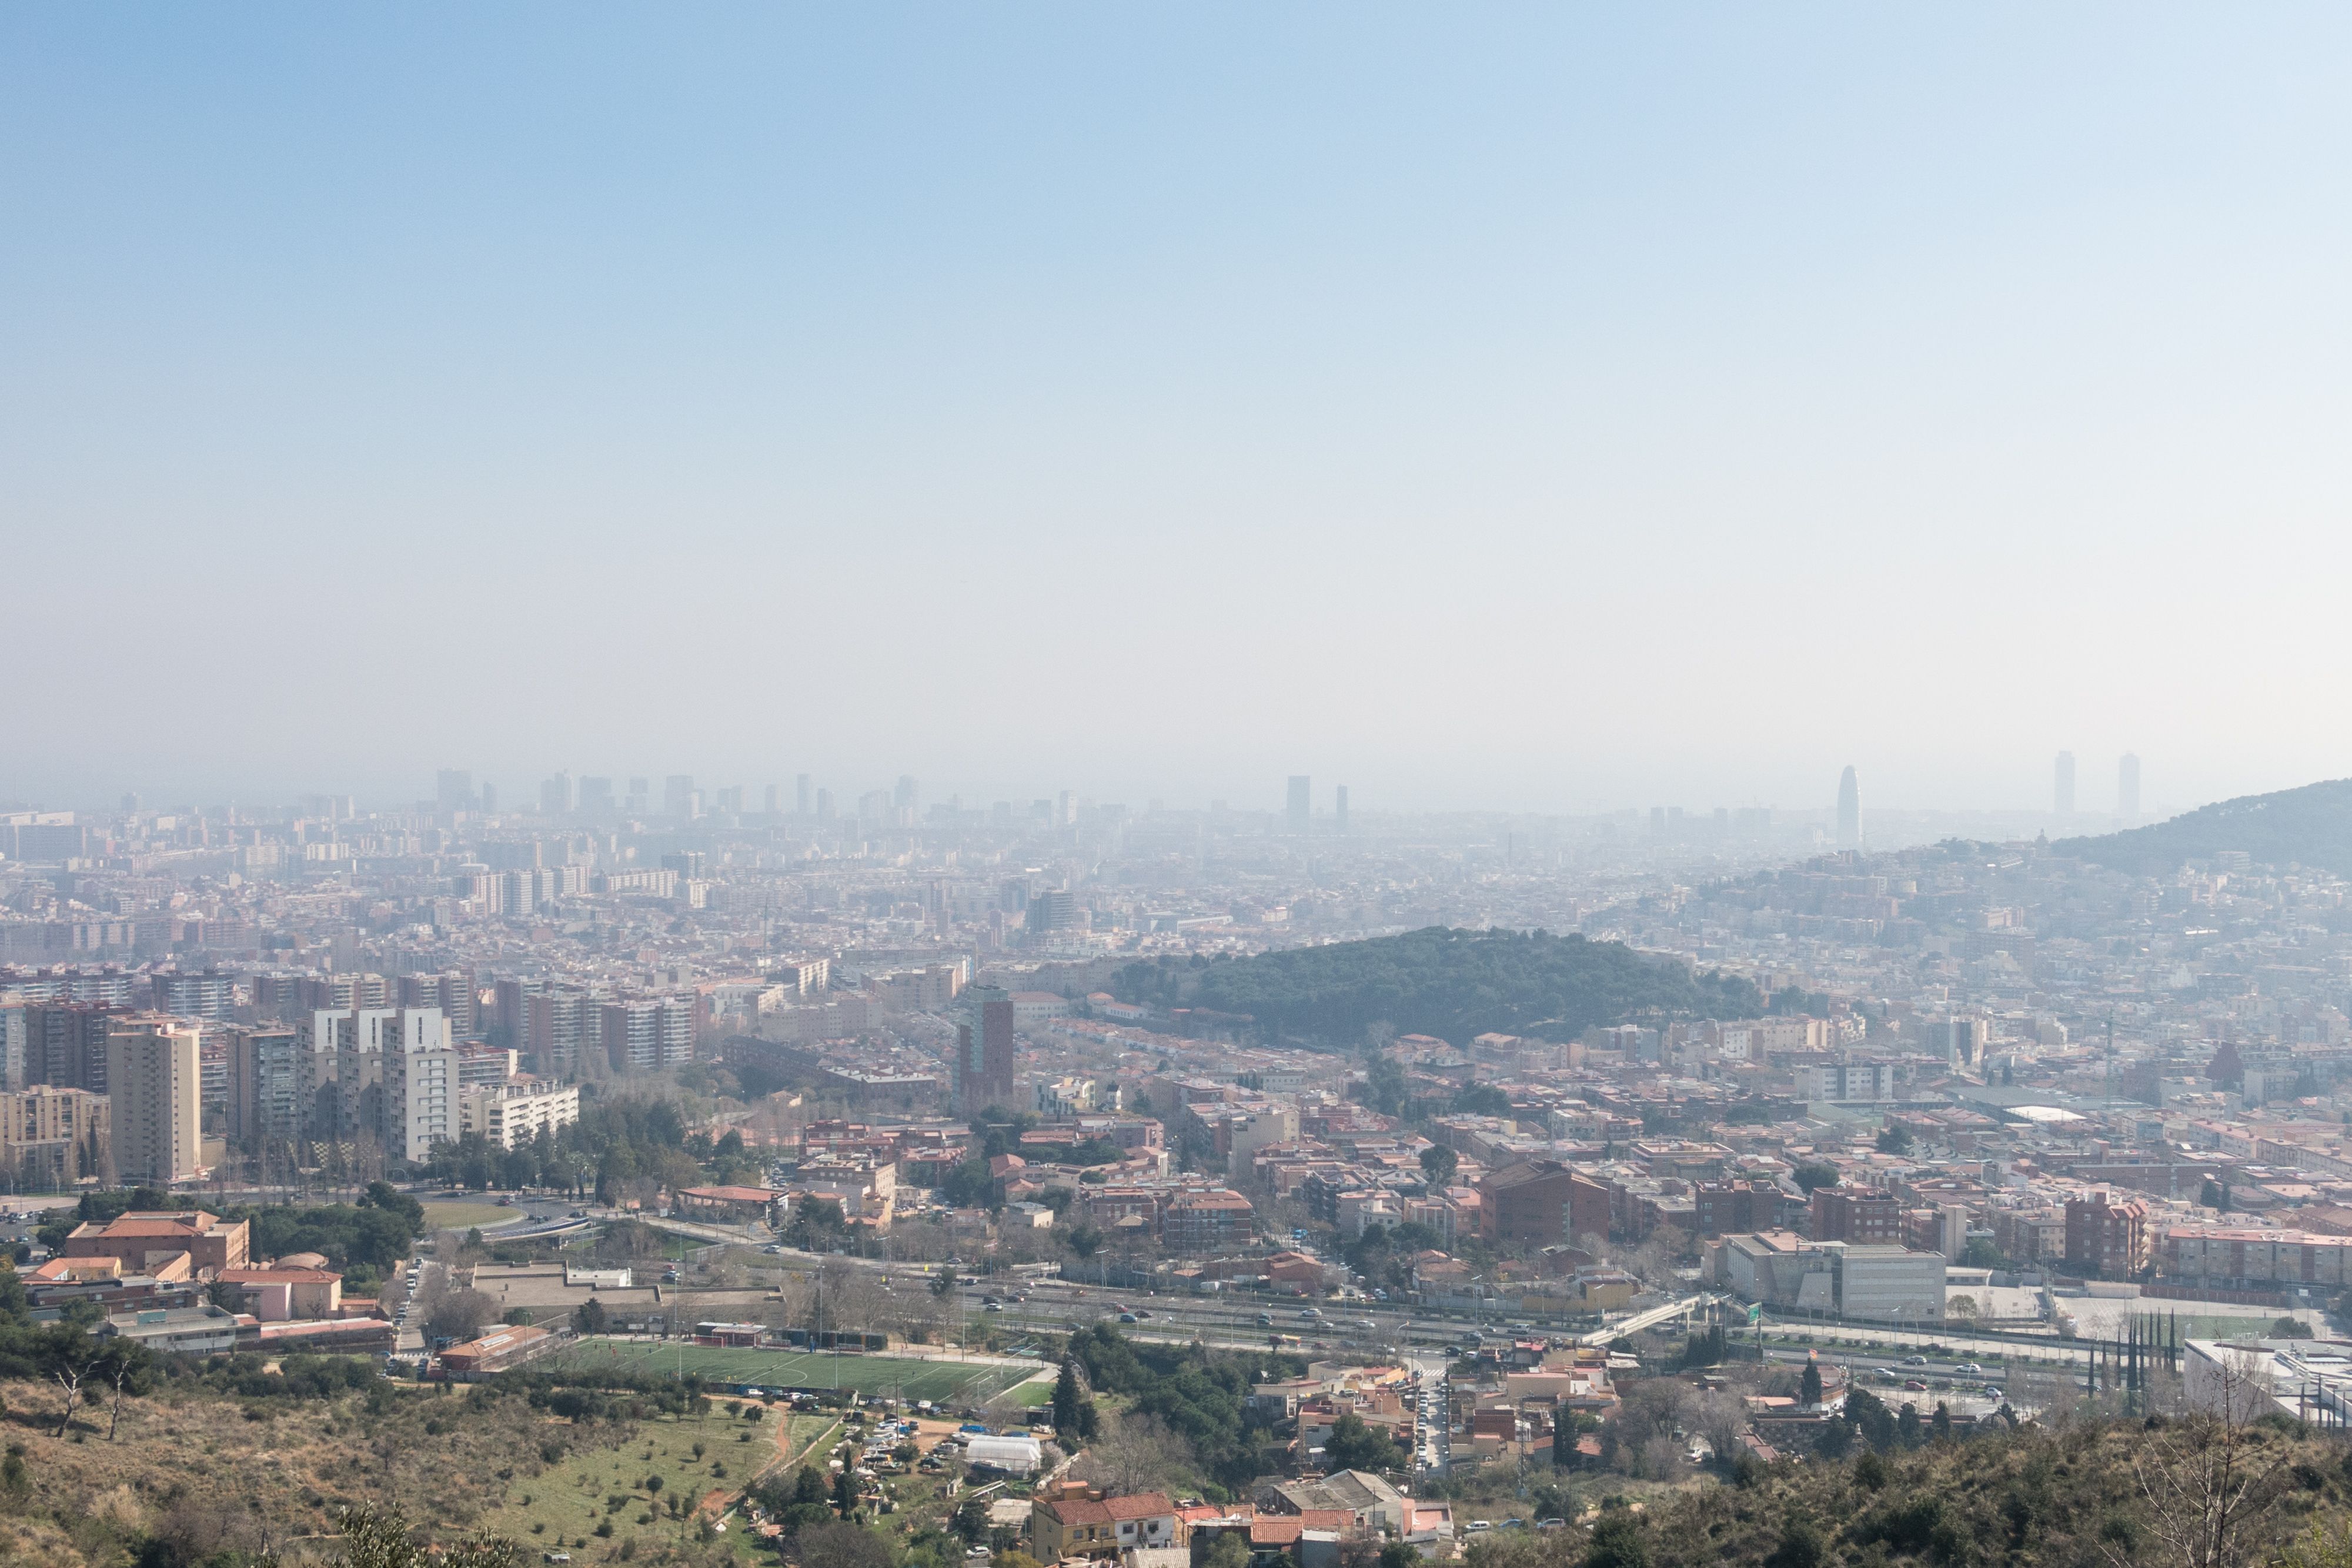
<point>1452,984</point>
<point>2311,826</point>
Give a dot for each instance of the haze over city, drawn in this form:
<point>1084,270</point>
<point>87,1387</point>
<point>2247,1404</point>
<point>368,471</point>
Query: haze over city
<point>1523,411</point>
<point>1205,785</point>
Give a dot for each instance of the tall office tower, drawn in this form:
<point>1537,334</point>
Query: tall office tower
<point>454,791</point>
<point>1302,803</point>
<point>1066,808</point>
<point>489,800</point>
<point>677,795</point>
<point>2062,794</point>
<point>1339,811</point>
<point>555,795</point>
<point>2127,789</point>
<point>984,1064</point>
<point>775,800</point>
<point>824,805</point>
<point>641,795</point>
<point>451,990</point>
<point>595,797</point>
<point>730,800</point>
<point>154,1071</point>
<point>420,1083</point>
<point>1849,811</point>
<point>803,802</point>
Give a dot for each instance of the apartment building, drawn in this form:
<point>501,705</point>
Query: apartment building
<point>51,1138</point>
<point>153,1075</point>
<point>514,1113</point>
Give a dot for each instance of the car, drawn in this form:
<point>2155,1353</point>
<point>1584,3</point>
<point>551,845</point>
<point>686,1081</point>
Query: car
<point>1551,1525</point>
<point>1266,1320</point>
<point>1309,1315</point>
<point>1912,1386</point>
<point>555,1557</point>
<point>992,1306</point>
<point>1478,1524</point>
<point>1515,1524</point>
<point>1366,1323</point>
<point>1969,1369</point>
<point>1453,1350</point>
<point>1993,1391</point>
<point>988,1300</point>
<point>1913,1361</point>
<point>578,1214</point>
<point>1127,1317</point>
<point>1143,1312</point>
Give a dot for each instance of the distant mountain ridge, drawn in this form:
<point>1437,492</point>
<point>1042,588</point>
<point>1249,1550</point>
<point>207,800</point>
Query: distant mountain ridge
<point>2311,826</point>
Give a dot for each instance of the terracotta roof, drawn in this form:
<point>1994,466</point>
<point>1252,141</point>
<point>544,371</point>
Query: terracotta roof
<point>1139,1505</point>
<point>1275,1532</point>
<point>278,1276</point>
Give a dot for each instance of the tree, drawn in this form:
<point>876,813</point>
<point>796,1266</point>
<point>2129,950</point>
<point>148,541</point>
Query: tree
<point>840,1544</point>
<point>1809,1388</point>
<point>1617,1542</point>
<point>1136,1455</point>
<point>1801,1547</point>
<point>1960,1306</point>
<point>1439,1163</point>
<point>970,1521</point>
<point>1354,1445</point>
<point>2206,1478</point>
<point>1895,1139</point>
<point>460,1314</point>
<point>845,1494</point>
<point>590,1317</point>
<point>1815,1174</point>
<point>1230,1550</point>
<point>1070,1396</point>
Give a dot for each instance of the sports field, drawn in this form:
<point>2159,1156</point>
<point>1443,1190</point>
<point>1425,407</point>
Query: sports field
<point>465,1216</point>
<point>903,1377</point>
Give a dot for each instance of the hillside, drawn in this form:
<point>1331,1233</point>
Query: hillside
<point>2311,826</point>
<point>2083,1494</point>
<point>1451,984</point>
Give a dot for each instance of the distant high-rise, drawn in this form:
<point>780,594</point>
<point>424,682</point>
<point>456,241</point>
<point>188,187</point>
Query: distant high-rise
<point>775,800</point>
<point>1302,803</point>
<point>1340,811</point>
<point>455,790</point>
<point>555,795</point>
<point>2063,795</point>
<point>983,1064</point>
<point>824,805</point>
<point>641,795</point>
<point>802,793</point>
<point>2127,789</point>
<point>1849,811</point>
<point>489,800</point>
<point>154,1079</point>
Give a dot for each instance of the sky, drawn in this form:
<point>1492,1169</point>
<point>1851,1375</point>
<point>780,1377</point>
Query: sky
<point>1545,408</point>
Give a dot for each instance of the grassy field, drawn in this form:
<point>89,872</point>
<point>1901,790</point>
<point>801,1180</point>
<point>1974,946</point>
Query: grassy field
<point>905,1377</point>
<point>464,1216</point>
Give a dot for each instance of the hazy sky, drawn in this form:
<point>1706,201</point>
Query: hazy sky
<point>1477,406</point>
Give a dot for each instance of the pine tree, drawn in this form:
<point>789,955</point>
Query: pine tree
<point>1808,1388</point>
<point>1066,1395</point>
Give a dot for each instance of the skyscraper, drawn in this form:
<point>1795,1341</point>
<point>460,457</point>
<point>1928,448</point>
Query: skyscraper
<point>1849,811</point>
<point>555,795</point>
<point>1302,803</point>
<point>153,1077</point>
<point>2063,795</point>
<point>802,793</point>
<point>2127,789</point>
<point>984,1064</point>
<point>1339,811</point>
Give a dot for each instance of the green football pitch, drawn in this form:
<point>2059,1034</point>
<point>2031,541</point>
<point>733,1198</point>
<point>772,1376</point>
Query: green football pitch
<point>899,1376</point>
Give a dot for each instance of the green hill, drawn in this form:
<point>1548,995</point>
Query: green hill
<point>2311,826</point>
<point>1452,984</point>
